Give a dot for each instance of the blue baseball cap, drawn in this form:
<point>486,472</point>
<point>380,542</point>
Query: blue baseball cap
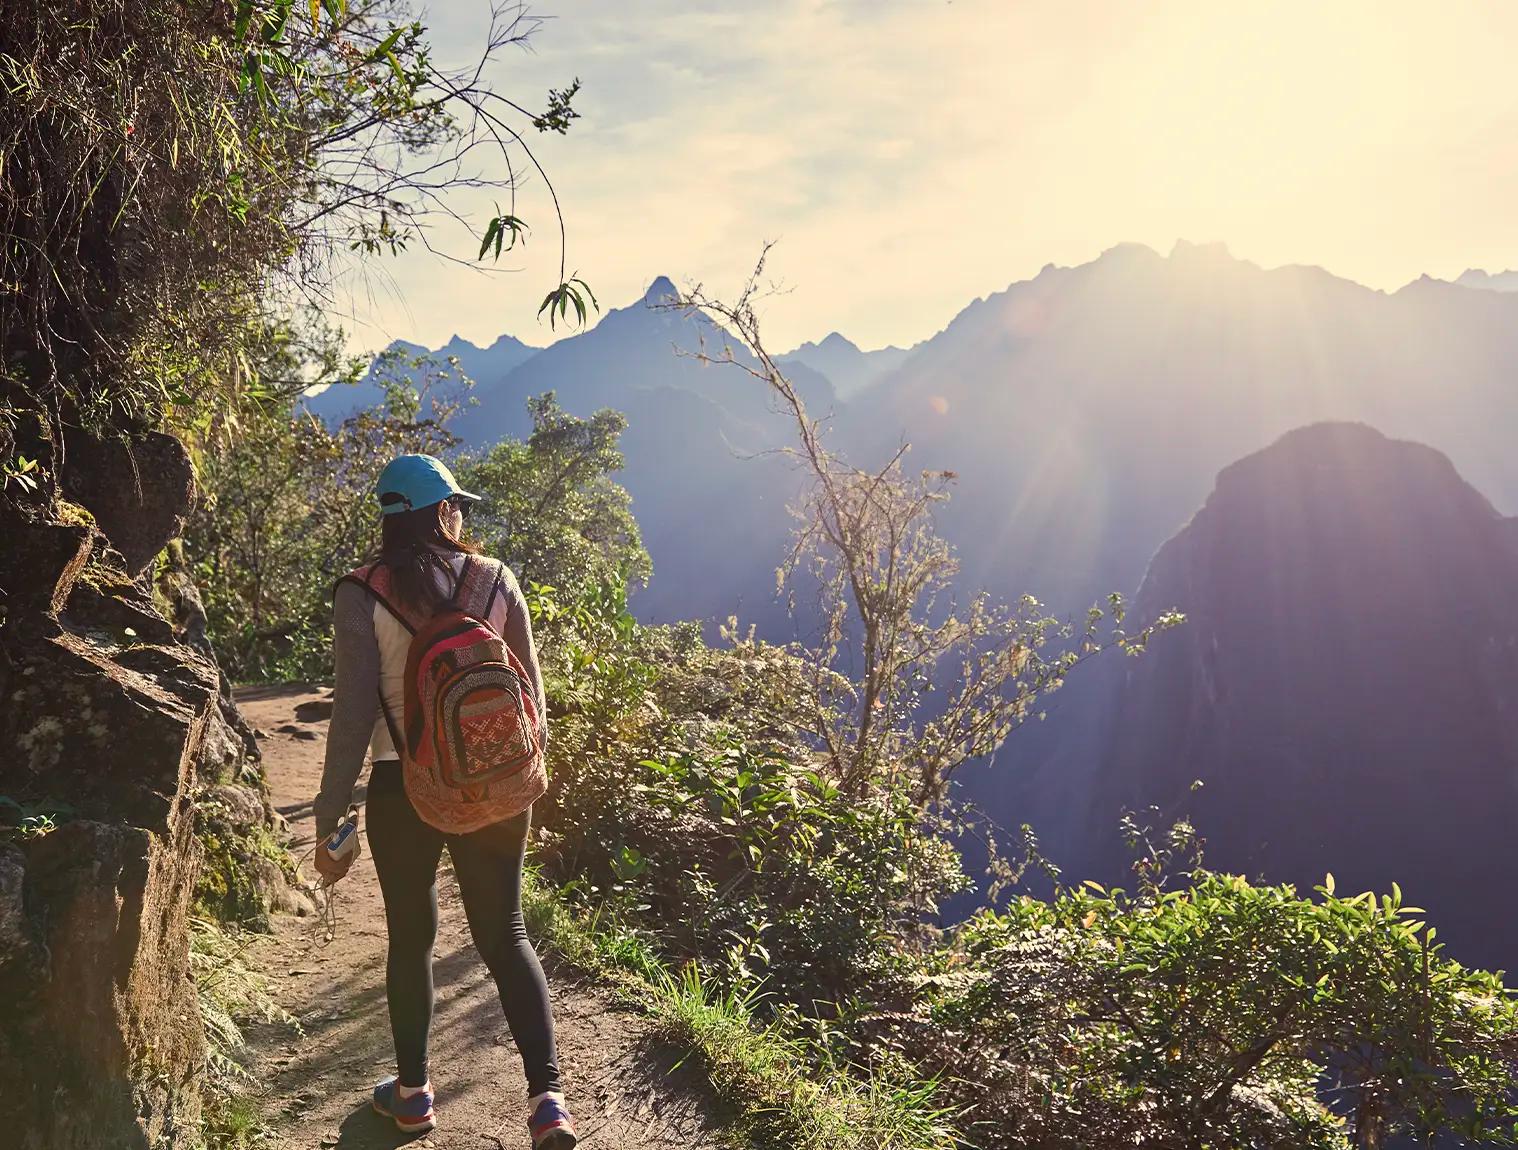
<point>412,481</point>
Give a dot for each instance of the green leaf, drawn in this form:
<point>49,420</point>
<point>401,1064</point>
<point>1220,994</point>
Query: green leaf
<point>244,18</point>
<point>274,22</point>
<point>386,45</point>
<point>491,232</point>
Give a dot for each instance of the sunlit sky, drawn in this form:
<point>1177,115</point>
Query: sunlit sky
<point>911,155</point>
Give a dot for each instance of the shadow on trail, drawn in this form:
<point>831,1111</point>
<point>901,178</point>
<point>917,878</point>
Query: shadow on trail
<point>363,1129</point>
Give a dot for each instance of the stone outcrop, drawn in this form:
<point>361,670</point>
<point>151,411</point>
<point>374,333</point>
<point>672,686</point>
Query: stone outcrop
<point>39,565</point>
<point>105,721</point>
<point>116,729</point>
<point>139,489</point>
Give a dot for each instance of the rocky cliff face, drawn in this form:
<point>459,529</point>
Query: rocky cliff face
<point>1346,686</point>
<point>108,724</point>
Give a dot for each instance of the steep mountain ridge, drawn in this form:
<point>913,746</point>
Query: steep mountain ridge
<point>485,365</point>
<point>1345,687</point>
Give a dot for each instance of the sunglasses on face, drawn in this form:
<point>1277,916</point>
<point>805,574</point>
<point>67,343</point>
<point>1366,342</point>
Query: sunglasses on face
<point>462,506</point>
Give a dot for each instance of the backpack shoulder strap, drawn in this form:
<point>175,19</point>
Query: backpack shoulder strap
<point>497,589</point>
<point>367,577</point>
<point>373,579</point>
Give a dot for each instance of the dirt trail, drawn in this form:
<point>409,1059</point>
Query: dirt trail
<point>314,1090</point>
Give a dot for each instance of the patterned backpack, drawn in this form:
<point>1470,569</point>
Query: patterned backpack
<point>468,737</point>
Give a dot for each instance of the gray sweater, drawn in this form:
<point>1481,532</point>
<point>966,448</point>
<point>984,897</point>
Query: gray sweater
<point>356,700</point>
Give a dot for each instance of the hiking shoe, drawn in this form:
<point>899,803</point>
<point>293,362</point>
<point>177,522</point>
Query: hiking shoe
<point>413,1115</point>
<point>550,1124</point>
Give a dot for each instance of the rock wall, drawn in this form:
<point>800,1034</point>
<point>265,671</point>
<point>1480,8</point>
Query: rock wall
<point>111,725</point>
<point>106,720</point>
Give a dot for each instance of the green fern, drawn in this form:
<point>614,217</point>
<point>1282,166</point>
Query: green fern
<point>227,989</point>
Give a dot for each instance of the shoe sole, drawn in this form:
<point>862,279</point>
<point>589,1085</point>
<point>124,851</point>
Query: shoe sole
<point>422,1126</point>
<point>558,1140</point>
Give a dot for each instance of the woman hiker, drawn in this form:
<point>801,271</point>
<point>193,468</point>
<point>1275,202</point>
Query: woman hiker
<point>425,568</point>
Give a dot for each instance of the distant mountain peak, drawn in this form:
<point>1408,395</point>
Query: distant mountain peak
<point>1123,251</point>
<point>1489,281</point>
<point>834,342</point>
<point>505,341</point>
<point>662,290</point>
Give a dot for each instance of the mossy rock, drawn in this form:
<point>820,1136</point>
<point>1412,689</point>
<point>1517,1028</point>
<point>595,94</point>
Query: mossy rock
<point>244,871</point>
<point>73,514</point>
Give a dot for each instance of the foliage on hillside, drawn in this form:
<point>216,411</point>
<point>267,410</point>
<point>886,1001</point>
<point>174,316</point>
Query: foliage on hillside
<point>701,815</point>
<point>1217,1014</point>
<point>691,810</point>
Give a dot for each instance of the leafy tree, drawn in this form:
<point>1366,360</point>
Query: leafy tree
<point>287,505</point>
<point>551,509</point>
<point>941,682</point>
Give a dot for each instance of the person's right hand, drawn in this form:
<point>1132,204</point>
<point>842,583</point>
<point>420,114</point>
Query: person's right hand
<point>329,868</point>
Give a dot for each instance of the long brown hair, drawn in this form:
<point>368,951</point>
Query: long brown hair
<point>415,545</point>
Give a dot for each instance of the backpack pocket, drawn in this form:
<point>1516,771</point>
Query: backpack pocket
<point>484,728</point>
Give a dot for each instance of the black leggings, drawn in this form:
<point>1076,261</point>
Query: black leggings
<point>488,865</point>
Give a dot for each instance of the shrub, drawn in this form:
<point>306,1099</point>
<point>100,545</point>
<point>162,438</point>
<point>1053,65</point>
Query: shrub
<point>683,786</point>
<point>1217,1016</point>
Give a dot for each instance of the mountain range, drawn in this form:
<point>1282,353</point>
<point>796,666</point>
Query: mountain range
<point>1089,412</point>
<point>494,362</point>
<point>1086,411</point>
